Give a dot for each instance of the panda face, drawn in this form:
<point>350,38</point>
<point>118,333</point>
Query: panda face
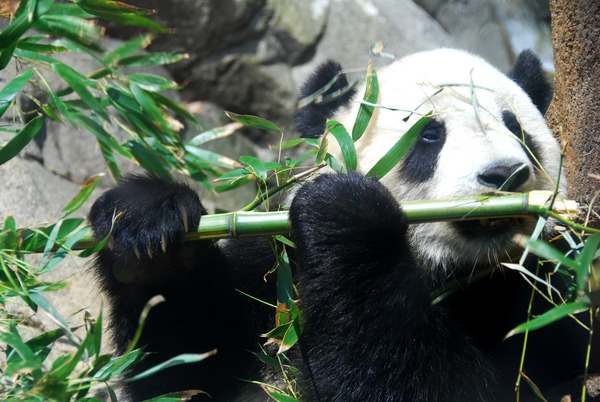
<point>485,127</point>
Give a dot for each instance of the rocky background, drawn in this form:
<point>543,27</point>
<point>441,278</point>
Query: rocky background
<point>250,56</point>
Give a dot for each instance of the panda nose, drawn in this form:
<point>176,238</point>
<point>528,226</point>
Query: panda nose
<point>496,176</point>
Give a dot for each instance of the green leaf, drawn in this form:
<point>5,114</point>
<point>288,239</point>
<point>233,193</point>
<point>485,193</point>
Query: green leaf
<point>279,397</point>
<point>118,365</point>
<point>345,142</point>
<point>27,14</point>
<point>174,107</point>
<point>233,175</point>
<point>21,139</point>
<point>234,183</point>
<point>40,47</point>
<point>66,245</point>
<point>10,91</point>
<point>253,121</point>
<point>152,82</point>
<point>175,361</point>
<point>285,282</point>
<point>545,250</point>
<point>79,30</point>
<point>147,159</point>
<point>213,158</point>
<point>6,55</point>
<point>366,111</point>
<point>128,48</point>
<point>213,134</point>
<point>122,13</point>
<point>84,193</point>
<point>256,166</point>
<point>585,258</point>
<point>79,84</point>
<point>314,142</point>
<point>149,107</point>
<point>506,185</point>
<point>20,356</point>
<point>44,304</point>
<point>549,317</point>
<point>44,340</point>
<point>152,59</point>
<point>399,149</point>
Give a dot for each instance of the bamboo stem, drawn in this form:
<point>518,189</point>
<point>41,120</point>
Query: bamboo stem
<point>254,224</point>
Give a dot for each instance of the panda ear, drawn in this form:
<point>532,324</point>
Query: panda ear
<point>311,119</point>
<point>528,73</point>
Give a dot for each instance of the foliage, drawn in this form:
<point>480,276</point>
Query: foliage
<point>115,98</point>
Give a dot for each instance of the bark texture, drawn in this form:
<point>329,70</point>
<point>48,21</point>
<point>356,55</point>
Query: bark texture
<point>574,114</point>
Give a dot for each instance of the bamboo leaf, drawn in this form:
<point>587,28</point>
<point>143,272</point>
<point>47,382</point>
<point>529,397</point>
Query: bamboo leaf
<point>549,317</point>
<point>40,47</point>
<point>585,258</point>
<point>45,305</point>
<point>256,166</point>
<point>213,158</point>
<point>149,108</point>
<point>147,159</point>
<point>279,397</point>
<point>128,48</point>
<point>215,133</point>
<point>79,84</point>
<point>253,121</point>
<point>174,107</point>
<point>152,59</point>
<point>118,365</point>
<point>365,111</point>
<point>10,91</point>
<point>399,149</point>
<point>27,14</point>
<point>545,250</point>
<point>152,82</point>
<point>233,175</point>
<point>345,142</point>
<point>21,139</point>
<point>200,167</point>
<point>84,193</point>
<point>175,361</point>
<point>122,13</point>
<point>82,31</point>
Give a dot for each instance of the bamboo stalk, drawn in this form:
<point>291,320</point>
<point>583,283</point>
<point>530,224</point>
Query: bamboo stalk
<point>255,224</point>
<point>252,224</point>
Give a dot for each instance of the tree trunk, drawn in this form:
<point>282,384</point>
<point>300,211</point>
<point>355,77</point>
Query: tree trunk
<point>574,114</point>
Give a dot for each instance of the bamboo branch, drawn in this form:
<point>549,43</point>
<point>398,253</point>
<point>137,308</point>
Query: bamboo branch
<point>254,224</point>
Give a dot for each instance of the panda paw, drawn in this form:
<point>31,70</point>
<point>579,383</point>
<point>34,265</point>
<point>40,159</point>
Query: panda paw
<point>346,210</point>
<point>147,218</point>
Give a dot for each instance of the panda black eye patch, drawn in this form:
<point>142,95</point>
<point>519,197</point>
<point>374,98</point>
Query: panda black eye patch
<point>512,124</point>
<point>421,160</point>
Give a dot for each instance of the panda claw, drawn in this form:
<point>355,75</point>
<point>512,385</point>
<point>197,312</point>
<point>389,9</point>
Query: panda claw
<point>184,217</point>
<point>137,253</point>
<point>163,244</point>
<point>149,251</point>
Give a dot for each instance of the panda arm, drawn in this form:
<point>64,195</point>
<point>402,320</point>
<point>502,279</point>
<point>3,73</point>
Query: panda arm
<point>370,331</point>
<point>146,257</point>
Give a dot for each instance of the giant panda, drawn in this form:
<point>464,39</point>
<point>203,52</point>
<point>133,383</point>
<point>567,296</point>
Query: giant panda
<point>364,276</point>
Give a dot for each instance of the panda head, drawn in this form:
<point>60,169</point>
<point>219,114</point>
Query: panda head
<point>486,126</point>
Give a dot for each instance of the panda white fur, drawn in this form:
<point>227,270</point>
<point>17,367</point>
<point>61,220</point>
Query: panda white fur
<point>364,276</point>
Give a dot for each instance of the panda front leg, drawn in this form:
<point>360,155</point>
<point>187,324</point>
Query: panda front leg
<point>146,257</point>
<point>370,331</point>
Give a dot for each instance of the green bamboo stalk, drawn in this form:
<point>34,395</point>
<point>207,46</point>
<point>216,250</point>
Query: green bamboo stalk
<point>254,224</point>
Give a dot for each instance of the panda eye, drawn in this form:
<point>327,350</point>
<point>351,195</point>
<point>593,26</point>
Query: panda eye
<point>432,132</point>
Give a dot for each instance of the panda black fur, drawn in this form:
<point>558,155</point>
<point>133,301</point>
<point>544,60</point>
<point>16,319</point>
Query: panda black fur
<point>364,276</point>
